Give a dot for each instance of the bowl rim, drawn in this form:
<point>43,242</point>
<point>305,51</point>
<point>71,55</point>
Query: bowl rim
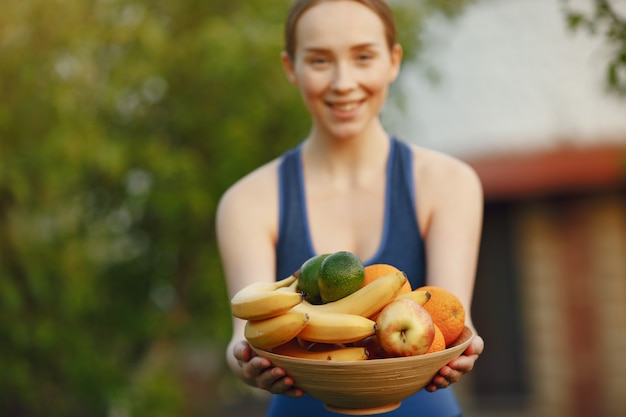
<point>459,345</point>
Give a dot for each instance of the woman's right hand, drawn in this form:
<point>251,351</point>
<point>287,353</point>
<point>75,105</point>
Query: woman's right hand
<point>259,372</point>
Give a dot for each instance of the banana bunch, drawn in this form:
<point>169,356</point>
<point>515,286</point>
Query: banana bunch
<point>275,331</point>
<point>366,301</point>
<point>277,316</point>
<point>336,328</point>
<point>259,301</point>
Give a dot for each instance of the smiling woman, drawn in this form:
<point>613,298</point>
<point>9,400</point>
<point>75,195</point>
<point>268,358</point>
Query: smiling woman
<point>350,186</point>
<point>343,62</point>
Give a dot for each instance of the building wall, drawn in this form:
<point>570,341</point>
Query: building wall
<point>568,257</point>
<point>573,262</point>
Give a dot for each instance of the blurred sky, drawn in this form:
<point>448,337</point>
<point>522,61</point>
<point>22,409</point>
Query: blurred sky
<point>512,77</point>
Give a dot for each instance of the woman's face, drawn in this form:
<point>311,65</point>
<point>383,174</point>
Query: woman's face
<point>343,66</point>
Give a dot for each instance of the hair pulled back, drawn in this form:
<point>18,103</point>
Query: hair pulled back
<point>380,7</point>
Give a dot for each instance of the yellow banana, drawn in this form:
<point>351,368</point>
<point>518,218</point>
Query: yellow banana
<point>366,301</point>
<point>275,331</point>
<point>421,297</point>
<point>332,353</point>
<point>261,300</point>
<point>326,327</point>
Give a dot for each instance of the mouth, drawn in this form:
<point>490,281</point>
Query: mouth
<point>345,106</point>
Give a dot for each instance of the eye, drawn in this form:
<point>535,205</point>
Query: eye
<point>365,57</point>
<point>317,60</point>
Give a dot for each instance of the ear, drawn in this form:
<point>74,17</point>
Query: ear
<point>289,68</point>
<point>396,61</point>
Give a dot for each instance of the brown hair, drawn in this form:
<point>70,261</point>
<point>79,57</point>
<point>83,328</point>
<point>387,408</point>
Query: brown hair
<point>298,8</point>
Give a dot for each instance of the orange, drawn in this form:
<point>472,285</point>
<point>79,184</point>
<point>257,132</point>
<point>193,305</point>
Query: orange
<point>446,311</point>
<point>375,271</point>
<point>439,342</point>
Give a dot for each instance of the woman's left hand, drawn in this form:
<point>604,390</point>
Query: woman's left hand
<point>454,370</point>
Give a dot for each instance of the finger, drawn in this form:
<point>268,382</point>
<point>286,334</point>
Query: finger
<point>438,382</point>
<point>276,381</point>
<point>273,380</point>
<point>444,378</point>
<point>463,364</point>
<point>285,386</point>
<point>476,347</point>
<point>243,352</point>
<point>453,376</point>
<point>446,375</point>
<point>255,367</point>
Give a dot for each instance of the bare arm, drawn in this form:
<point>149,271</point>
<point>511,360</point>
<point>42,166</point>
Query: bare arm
<point>247,223</point>
<point>453,233</point>
<point>451,215</point>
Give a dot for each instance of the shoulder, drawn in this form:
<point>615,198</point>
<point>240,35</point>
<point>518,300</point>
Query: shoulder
<point>246,227</point>
<point>253,195</point>
<point>444,172</point>
<point>446,187</point>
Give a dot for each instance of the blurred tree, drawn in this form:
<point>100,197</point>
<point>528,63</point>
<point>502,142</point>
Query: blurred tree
<point>603,18</point>
<point>121,124</point>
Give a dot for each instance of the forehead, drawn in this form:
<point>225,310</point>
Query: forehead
<point>338,24</point>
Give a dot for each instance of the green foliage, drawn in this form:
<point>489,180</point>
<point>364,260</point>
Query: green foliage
<point>121,124</point>
<point>604,20</point>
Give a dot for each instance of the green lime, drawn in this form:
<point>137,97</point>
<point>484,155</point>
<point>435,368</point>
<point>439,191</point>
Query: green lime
<point>341,274</point>
<point>308,278</point>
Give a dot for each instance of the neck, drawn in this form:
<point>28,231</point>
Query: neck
<point>359,155</point>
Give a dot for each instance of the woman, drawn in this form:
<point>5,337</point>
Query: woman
<point>350,186</point>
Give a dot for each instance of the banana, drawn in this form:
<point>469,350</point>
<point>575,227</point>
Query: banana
<point>275,331</point>
<point>261,300</point>
<point>421,297</point>
<point>326,327</point>
<point>332,353</point>
<point>366,301</point>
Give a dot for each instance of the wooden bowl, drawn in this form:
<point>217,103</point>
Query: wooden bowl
<point>370,386</point>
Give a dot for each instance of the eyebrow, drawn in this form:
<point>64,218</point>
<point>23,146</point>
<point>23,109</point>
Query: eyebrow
<point>355,47</point>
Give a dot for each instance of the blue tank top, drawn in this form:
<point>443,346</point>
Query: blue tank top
<point>401,246</point>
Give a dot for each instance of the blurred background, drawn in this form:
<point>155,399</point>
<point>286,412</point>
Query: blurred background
<point>123,121</point>
<point>532,94</point>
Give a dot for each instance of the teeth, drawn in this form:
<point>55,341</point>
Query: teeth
<point>345,106</point>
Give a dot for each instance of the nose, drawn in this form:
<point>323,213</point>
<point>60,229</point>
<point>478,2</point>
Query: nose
<point>344,78</point>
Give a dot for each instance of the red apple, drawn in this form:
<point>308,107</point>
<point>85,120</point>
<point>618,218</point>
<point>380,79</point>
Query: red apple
<point>405,328</point>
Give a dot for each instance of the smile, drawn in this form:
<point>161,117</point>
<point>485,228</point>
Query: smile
<point>345,106</point>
